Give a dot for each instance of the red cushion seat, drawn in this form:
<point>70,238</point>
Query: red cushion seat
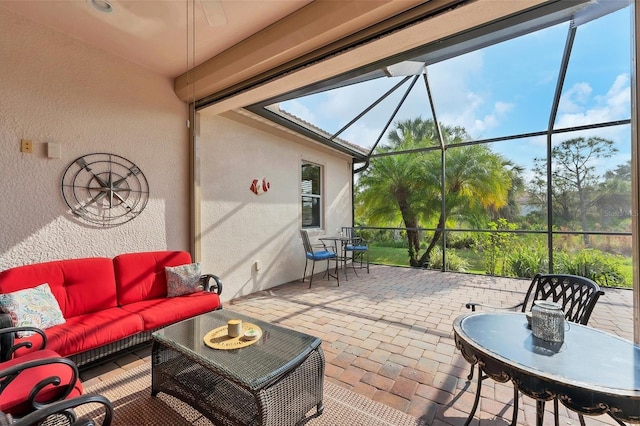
<point>161,312</point>
<point>89,331</point>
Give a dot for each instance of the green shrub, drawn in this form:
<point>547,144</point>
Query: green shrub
<point>495,246</point>
<point>527,260</point>
<point>460,240</point>
<point>455,263</point>
<point>601,267</point>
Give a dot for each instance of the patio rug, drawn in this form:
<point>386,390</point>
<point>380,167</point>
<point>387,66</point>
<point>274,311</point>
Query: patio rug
<point>130,394</point>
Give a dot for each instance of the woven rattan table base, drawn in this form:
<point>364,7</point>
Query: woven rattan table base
<point>227,400</point>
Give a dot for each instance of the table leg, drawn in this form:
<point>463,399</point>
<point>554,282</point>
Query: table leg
<point>516,395</point>
<point>477,400</point>
<point>343,253</point>
<point>539,412</point>
<point>617,421</point>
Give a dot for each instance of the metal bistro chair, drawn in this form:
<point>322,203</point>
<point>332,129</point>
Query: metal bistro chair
<point>358,247</point>
<point>577,296</point>
<point>316,255</point>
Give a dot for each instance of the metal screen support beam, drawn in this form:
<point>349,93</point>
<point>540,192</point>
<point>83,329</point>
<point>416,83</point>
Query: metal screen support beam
<point>443,209</point>
<point>370,107</point>
<point>552,119</point>
<point>635,172</point>
<point>195,199</point>
<point>404,97</point>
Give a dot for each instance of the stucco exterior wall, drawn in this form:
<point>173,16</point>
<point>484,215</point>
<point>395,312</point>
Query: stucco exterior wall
<point>239,227</point>
<point>56,89</point>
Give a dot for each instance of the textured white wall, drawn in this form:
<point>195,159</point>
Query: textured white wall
<point>56,89</point>
<point>238,227</point>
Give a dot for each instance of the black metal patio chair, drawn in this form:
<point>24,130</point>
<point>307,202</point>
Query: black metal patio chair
<point>577,296</point>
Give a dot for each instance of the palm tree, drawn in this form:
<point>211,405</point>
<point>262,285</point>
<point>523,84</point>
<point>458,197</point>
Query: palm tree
<point>408,186</point>
<point>477,180</point>
<point>390,189</point>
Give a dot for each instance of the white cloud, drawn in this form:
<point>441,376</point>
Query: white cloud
<point>460,100</point>
<point>502,108</point>
<point>580,108</point>
<point>573,99</point>
<point>362,135</point>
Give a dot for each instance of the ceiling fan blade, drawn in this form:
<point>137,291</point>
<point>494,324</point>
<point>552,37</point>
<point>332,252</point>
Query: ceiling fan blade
<point>214,12</point>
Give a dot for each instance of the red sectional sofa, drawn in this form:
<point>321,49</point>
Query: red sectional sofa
<point>110,304</point>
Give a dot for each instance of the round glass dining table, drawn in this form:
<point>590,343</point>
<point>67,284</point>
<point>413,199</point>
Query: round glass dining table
<point>591,372</point>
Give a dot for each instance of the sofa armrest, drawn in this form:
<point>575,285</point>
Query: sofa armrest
<point>7,335</point>
<point>216,287</point>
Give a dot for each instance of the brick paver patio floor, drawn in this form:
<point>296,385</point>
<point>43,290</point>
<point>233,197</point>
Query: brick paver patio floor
<point>388,335</point>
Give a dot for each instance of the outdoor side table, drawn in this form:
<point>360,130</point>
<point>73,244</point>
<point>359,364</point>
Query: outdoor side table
<point>275,381</point>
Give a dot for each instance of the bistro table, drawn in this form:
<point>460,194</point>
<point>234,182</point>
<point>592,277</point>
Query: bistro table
<point>340,250</point>
<point>592,372</point>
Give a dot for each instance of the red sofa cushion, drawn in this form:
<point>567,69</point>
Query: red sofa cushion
<point>80,286</point>
<point>85,332</point>
<point>13,399</point>
<point>162,312</point>
<point>141,276</point>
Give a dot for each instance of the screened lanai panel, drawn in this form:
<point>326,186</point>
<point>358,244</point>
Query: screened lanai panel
<point>410,124</point>
<point>527,199</point>
<point>331,110</point>
<point>401,190</point>
<point>496,252</point>
<point>503,89</point>
<point>591,180</point>
<point>362,114</point>
<point>608,260</point>
<point>597,85</point>
<point>487,182</point>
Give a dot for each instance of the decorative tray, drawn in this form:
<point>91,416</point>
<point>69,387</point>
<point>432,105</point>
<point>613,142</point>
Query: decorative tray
<point>219,339</point>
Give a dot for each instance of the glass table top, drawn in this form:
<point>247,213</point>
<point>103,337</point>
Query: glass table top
<point>275,353</point>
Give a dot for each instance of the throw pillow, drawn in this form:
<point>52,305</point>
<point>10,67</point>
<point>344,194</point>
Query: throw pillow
<point>183,279</point>
<point>33,307</point>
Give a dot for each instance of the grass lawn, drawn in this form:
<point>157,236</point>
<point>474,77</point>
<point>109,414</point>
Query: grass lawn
<point>389,255</point>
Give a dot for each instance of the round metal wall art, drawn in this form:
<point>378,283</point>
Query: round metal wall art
<point>105,189</point>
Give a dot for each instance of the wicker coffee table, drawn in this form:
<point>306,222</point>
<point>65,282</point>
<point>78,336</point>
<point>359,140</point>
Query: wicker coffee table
<point>274,381</point>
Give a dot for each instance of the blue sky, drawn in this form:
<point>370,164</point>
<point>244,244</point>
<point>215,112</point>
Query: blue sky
<point>503,90</point>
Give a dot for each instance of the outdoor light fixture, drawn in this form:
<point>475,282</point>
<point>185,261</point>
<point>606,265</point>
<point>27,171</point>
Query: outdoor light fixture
<point>101,5</point>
